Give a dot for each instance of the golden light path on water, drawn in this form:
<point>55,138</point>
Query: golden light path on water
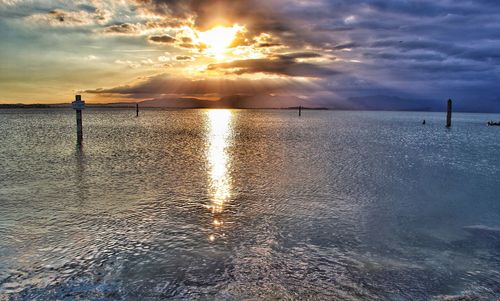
<point>218,139</point>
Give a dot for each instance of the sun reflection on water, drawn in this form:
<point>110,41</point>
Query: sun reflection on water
<point>219,138</point>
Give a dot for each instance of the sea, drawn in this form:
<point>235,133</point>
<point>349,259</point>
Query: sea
<point>227,204</point>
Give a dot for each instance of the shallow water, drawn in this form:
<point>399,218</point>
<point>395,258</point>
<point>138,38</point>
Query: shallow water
<point>248,204</point>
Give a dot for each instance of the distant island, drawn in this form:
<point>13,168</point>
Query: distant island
<point>24,106</point>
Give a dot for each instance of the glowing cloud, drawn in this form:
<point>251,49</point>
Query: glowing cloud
<point>218,39</point>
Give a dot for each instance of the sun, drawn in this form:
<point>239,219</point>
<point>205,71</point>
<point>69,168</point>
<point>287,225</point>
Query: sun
<point>218,39</point>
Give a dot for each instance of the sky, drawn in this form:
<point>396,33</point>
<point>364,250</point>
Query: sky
<point>345,54</point>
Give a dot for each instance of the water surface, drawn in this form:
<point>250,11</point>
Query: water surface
<point>248,204</point>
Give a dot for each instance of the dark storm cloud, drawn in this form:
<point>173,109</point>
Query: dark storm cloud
<point>424,8</point>
<point>426,57</point>
<point>264,45</point>
<point>296,55</point>
<point>448,50</point>
<point>343,46</point>
<point>445,48</point>
<point>258,16</point>
<point>285,64</point>
<point>164,84</point>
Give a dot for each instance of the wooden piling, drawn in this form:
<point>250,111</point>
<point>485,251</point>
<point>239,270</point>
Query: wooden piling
<point>448,114</point>
<point>79,105</point>
<point>136,110</point>
<point>300,111</point>
<point>79,127</point>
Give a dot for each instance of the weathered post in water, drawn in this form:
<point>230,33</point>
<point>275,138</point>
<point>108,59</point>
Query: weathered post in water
<point>79,105</point>
<point>448,114</point>
<point>300,111</point>
<point>136,110</point>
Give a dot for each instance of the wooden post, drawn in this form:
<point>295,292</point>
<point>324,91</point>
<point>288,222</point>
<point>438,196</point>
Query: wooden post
<point>136,110</point>
<point>448,114</point>
<point>79,105</point>
<point>79,127</point>
<point>300,111</point>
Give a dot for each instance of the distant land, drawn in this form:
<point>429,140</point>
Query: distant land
<point>22,106</point>
<point>369,103</point>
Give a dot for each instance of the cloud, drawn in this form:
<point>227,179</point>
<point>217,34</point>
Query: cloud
<point>258,16</point>
<point>123,28</point>
<point>184,58</point>
<point>283,64</point>
<point>61,17</point>
<point>128,63</point>
<point>268,44</point>
<point>297,55</point>
<point>162,39</point>
<point>344,46</point>
<point>164,84</point>
<point>410,49</point>
<point>164,58</point>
